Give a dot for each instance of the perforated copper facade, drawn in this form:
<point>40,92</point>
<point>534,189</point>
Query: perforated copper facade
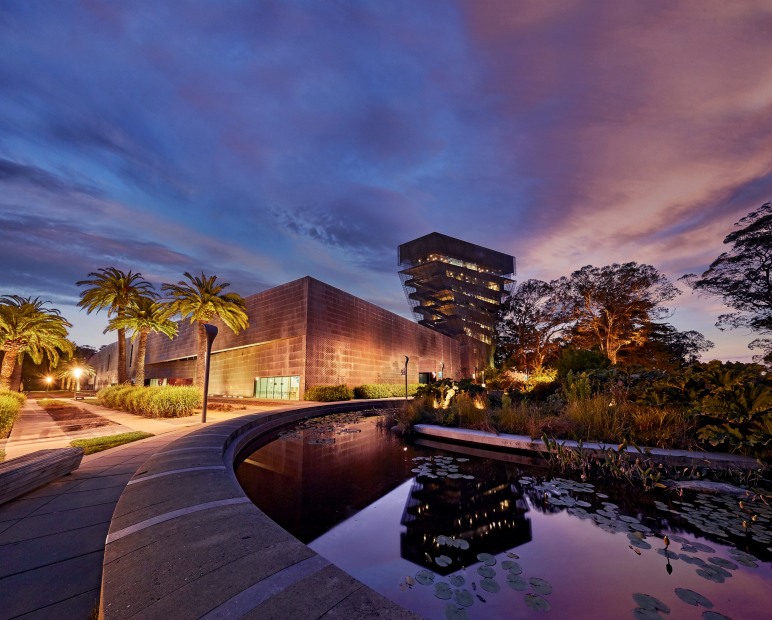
<point>305,328</point>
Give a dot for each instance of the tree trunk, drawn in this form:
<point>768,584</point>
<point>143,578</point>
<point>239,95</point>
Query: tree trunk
<point>139,378</point>
<point>16,375</point>
<point>201,359</point>
<point>123,375</point>
<point>9,363</point>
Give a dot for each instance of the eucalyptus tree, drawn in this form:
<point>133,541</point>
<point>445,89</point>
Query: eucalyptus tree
<point>202,299</point>
<point>144,316</point>
<point>112,289</point>
<point>529,325</point>
<point>742,278</point>
<point>27,326</point>
<point>613,306</point>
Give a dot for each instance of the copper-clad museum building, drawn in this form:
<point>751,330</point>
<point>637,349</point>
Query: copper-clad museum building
<point>306,333</point>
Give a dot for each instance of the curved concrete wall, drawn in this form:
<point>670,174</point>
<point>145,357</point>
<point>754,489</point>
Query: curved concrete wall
<point>186,542</point>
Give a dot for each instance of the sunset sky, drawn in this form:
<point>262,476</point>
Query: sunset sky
<point>264,141</point>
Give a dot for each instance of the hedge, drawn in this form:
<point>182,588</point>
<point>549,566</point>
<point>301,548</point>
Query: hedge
<point>328,393</point>
<point>384,390</point>
<point>10,405</point>
<point>152,402</point>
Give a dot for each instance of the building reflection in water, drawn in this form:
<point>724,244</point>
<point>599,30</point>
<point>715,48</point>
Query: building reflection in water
<point>486,512</point>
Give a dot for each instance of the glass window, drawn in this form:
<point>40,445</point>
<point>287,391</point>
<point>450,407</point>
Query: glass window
<point>278,388</point>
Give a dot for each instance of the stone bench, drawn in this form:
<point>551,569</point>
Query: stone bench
<point>25,473</point>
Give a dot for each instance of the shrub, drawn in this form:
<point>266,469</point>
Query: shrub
<point>471,411</point>
<point>414,412</point>
<point>518,418</point>
<point>152,402</point>
<point>19,396</point>
<point>383,390</point>
<point>10,405</point>
<point>328,393</point>
<point>597,418</point>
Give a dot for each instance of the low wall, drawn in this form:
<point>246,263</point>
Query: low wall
<point>186,542</point>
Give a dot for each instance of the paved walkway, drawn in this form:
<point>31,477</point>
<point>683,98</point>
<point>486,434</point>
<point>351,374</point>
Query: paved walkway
<point>52,540</point>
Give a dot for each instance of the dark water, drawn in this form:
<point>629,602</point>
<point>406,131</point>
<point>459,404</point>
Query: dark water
<point>469,537</point>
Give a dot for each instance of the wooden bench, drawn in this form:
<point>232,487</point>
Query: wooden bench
<point>25,473</point>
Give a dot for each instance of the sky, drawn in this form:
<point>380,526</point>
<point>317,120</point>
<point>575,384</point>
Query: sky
<point>263,141</point>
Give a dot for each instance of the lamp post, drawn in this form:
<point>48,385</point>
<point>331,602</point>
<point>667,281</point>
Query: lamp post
<point>77,372</point>
<point>211,334</point>
<point>49,379</point>
<point>407,359</point>
<point>442,370</point>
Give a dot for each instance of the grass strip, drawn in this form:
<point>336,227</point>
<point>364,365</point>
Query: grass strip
<point>97,444</point>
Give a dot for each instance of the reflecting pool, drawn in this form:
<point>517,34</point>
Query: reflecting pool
<point>448,534</point>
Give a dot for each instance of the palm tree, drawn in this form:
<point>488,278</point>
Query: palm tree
<point>115,290</point>
<point>202,299</point>
<point>27,326</point>
<point>143,316</point>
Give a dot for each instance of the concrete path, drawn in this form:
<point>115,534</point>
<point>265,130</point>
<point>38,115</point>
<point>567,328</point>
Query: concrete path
<point>52,540</point>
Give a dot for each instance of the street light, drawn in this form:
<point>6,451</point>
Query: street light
<point>407,359</point>
<point>49,380</point>
<point>211,334</point>
<point>77,372</point>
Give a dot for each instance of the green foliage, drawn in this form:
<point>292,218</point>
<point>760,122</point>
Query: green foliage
<point>471,411</point>
<point>152,402</point>
<point>97,444</point>
<point>328,393</point>
<point>385,390</point>
<point>10,405</point>
<point>579,360</point>
<point>576,387</point>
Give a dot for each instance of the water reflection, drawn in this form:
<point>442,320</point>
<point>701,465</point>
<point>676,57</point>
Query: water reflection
<point>448,535</point>
<point>484,511</point>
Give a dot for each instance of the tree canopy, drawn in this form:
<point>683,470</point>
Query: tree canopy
<point>27,326</point>
<point>202,299</point>
<point>112,289</point>
<point>742,277</point>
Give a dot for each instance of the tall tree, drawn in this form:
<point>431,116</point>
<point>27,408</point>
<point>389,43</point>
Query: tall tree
<point>143,316</point>
<point>202,299</point>
<point>742,278</point>
<point>27,326</point>
<point>114,290</point>
<point>529,323</point>
<point>666,348</point>
<point>612,306</point>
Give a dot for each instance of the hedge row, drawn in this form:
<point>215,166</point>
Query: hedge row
<point>329,393</point>
<point>152,402</point>
<point>10,405</point>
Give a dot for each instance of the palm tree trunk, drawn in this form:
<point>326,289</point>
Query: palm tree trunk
<point>16,375</point>
<point>122,374</point>
<point>140,369</point>
<point>9,363</point>
<point>201,359</point>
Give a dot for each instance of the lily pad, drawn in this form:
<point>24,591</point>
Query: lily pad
<point>516,582</point>
<point>486,571</point>
<point>489,585</point>
<point>537,603</point>
<point>453,612</point>
<point>711,574</point>
<point>693,598</point>
<point>460,543</point>
<point>514,556</point>
<point>486,558</point>
<point>723,563</point>
<point>646,601</point>
<point>424,577</point>
<point>512,566</point>
<point>442,590</point>
<point>639,613</point>
<point>540,586</point>
<point>456,580</point>
<point>464,598</point>
<point>668,553</point>
<point>443,560</point>
<point>714,615</point>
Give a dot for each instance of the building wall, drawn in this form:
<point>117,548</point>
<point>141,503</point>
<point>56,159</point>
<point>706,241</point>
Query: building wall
<point>304,328</point>
<point>352,341</point>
